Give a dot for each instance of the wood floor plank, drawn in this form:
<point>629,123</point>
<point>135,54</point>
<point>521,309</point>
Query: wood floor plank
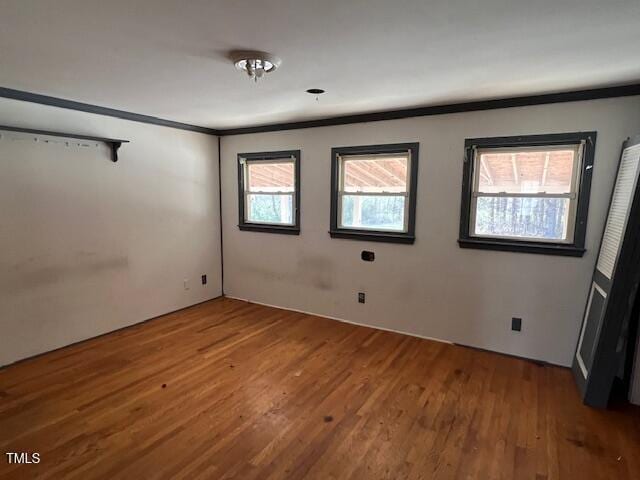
<point>233,390</point>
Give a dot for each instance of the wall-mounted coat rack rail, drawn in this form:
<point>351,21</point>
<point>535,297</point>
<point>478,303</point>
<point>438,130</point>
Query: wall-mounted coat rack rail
<point>114,143</point>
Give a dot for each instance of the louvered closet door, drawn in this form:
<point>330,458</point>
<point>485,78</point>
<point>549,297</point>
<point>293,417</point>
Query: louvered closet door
<point>614,284</point>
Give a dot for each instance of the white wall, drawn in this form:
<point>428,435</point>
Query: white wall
<point>88,246</point>
<point>432,288</point>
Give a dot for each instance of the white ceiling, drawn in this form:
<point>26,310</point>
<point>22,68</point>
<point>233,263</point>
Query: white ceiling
<point>166,58</point>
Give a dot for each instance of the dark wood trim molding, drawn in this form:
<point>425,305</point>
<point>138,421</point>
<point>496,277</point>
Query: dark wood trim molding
<point>269,227</point>
<point>575,249</point>
<point>109,112</point>
<point>522,247</point>
<point>375,235</point>
<point>220,218</point>
<point>575,96</point>
<point>368,236</point>
<point>523,101</point>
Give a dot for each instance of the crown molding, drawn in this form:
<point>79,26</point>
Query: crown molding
<point>574,96</point>
<point>523,101</point>
<point>99,110</point>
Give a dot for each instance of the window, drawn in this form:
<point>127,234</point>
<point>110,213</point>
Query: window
<point>374,192</point>
<point>269,191</point>
<point>527,194</point>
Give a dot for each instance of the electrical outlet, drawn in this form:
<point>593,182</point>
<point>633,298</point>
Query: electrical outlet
<point>204,279</point>
<point>186,284</point>
<point>360,297</point>
<point>516,324</point>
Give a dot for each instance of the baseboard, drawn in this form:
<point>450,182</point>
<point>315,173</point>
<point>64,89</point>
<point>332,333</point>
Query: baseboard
<point>409,334</point>
<point>540,363</point>
<point>79,342</point>
<point>351,322</point>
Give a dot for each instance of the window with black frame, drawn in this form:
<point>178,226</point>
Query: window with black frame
<point>374,192</point>
<point>527,193</point>
<point>269,191</point>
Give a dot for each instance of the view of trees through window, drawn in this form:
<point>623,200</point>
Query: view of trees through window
<point>537,217</point>
<point>270,192</point>
<point>375,212</point>
<point>374,192</point>
<point>541,182</point>
<point>267,208</point>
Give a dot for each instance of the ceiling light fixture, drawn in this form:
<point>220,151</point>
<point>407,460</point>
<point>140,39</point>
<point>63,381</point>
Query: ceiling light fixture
<point>255,63</point>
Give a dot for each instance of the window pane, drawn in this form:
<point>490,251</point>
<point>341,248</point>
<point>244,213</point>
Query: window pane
<point>373,212</point>
<point>270,208</point>
<point>536,218</point>
<point>271,177</point>
<point>375,174</point>
<point>526,171</point>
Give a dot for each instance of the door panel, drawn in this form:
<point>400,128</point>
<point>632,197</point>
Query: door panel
<point>591,327</point>
<point>614,285</point>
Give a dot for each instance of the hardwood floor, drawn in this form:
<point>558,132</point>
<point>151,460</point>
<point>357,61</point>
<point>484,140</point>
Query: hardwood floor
<point>229,389</point>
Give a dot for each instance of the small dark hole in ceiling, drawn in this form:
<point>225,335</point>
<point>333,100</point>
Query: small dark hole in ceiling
<point>315,91</point>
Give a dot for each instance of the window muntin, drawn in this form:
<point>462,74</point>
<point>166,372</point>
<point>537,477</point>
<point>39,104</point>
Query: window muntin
<point>269,191</point>
<point>373,192</point>
<point>526,193</point>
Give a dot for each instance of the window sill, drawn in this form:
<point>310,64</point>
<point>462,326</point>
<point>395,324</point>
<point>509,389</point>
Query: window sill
<point>522,247</point>
<point>270,229</point>
<point>368,236</point>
